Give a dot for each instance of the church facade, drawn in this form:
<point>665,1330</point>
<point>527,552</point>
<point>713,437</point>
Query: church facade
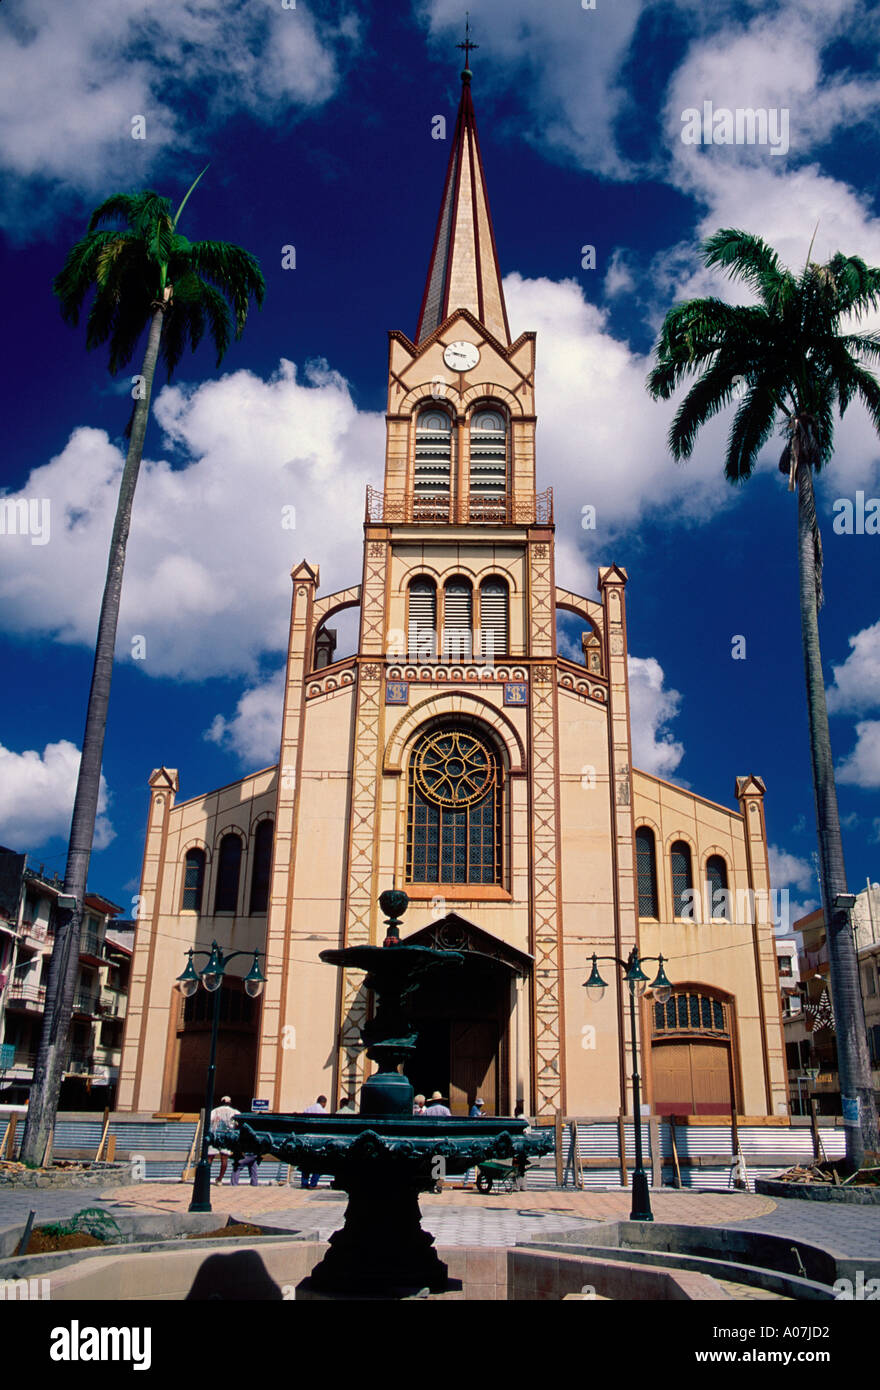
<point>459,755</point>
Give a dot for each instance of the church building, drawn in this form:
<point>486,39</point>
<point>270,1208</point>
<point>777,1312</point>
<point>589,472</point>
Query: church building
<point>457,754</point>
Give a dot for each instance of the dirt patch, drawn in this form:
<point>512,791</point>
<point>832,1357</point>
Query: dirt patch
<point>243,1228</point>
<point>46,1243</point>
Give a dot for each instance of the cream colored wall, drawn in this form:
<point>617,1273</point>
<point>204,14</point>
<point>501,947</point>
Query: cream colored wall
<point>588,904</point>
<point>318,891</point>
<point>719,954</point>
<point>166,931</point>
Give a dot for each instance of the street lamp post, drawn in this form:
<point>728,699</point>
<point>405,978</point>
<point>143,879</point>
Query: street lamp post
<point>638,982</point>
<point>212,978</point>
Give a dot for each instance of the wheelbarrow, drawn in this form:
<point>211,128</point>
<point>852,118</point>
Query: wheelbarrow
<point>508,1175</point>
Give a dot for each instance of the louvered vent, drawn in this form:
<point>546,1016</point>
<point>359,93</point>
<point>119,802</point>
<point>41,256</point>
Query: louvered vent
<point>493,618</point>
<point>458,620</point>
<point>489,456</point>
<point>433,461</point>
<point>422,620</point>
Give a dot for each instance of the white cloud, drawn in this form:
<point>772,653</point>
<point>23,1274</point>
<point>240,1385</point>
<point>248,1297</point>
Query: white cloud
<point>36,796</point>
<point>207,578</point>
<point>75,74</point>
<point>652,708</point>
<point>797,878</point>
<point>254,732</point>
<point>789,871</point>
<point>861,767</point>
<point>856,687</point>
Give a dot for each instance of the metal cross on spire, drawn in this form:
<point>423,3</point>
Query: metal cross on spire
<point>467,45</point>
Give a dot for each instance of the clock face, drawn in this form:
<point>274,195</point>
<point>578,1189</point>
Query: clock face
<point>460,357</point>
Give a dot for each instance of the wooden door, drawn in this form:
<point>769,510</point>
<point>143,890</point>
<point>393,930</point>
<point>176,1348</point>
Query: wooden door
<point>473,1064</point>
<point>691,1078</point>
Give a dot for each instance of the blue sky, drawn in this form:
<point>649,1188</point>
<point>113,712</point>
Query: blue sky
<point>317,123</point>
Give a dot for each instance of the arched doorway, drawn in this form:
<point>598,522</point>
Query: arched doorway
<point>691,1054</point>
<point>466,1019</point>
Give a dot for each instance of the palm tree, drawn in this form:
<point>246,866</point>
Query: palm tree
<point>789,362</point>
<point>145,276</point>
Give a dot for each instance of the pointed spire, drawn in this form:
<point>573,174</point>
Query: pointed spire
<point>464,270</point>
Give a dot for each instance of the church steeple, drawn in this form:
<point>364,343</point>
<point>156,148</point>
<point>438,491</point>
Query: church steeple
<point>464,270</point>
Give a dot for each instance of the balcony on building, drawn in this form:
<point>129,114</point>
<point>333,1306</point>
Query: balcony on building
<point>81,1062</point>
<point>508,509</point>
<point>24,995</point>
<point>85,1003</point>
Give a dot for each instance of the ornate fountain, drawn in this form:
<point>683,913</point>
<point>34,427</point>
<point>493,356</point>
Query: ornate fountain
<point>385,1156</point>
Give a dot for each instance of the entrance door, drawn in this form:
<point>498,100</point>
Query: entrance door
<point>691,1078</point>
<point>473,1064</point>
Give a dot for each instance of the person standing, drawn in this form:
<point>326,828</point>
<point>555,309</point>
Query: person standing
<point>418,1105</point>
<point>476,1109</point>
<point>222,1133</point>
<point>346,1106</point>
<point>319,1108</point>
<point>250,1162</point>
<point>435,1107</point>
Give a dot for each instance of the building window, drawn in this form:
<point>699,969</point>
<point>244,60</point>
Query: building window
<point>262,866</point>
<point>494,618</point>
<point>784,966</point>
<point>870,980</point>
<point>682,879</point>
<point>646,869</point>
<point>488,464</point>
<point>692,1013</point>
<point>454,809</point>
<point>458,620</point>
<point>433,466</point>
<point>193,880</point>
<point>422,620</point>
<point>228,872</point>
<point>716,887</point>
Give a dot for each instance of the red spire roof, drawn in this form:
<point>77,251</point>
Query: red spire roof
<point>464,270</point>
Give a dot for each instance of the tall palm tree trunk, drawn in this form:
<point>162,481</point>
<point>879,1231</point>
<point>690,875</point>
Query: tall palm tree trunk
<point>63,970</point>
<point>854,1067</point>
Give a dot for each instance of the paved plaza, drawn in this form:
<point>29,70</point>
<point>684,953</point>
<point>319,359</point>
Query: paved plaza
<point>466,1217</point>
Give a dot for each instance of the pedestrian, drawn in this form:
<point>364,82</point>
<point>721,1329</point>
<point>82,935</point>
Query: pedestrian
<point>221,1134</point>
<point>418,1105</point>
<point>249,1161</point>
<point>346,1106</point>
<point>308,1179</point>
<point>436,1107</point>
<point>476,1109</point>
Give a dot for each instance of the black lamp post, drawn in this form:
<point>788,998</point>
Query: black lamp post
<point>638,982</point>
<point>212,978</point>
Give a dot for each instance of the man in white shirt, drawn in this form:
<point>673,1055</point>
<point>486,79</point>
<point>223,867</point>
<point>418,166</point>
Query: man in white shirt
<point>319,1108</point>
<point>221,1125</point>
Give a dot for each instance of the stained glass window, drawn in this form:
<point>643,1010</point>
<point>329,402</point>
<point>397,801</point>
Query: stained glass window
<point>646,869</point>
<point>193,880</point>
<point>454,809</point>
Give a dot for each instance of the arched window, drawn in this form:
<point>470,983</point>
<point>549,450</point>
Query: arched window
<point>494,618</point>
<point>433,465</point>
<point>716,888</point>
<point>228,871</point>
<point>262,866</point>
<point>488,464</point>
<point>646,870</point>
<point>193,880</point>
<point>422,620</point>
<point>685,1012</point>
<point>454,809</point>
<point>458,620</point>
<point>682,879</point>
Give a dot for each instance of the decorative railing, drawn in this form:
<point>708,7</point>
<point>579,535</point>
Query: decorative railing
<point>28,994</point>
<point>510,510</point>
<point>90,944</point>
<point>84,1003</point>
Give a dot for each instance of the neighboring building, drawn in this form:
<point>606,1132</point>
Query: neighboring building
<point>810,1041</point>
<point>788,968</point>
<point>461,754</point>
<point>28,905</point>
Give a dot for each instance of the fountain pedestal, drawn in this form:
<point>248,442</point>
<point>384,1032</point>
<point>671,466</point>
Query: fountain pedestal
<point>385,1156</point>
